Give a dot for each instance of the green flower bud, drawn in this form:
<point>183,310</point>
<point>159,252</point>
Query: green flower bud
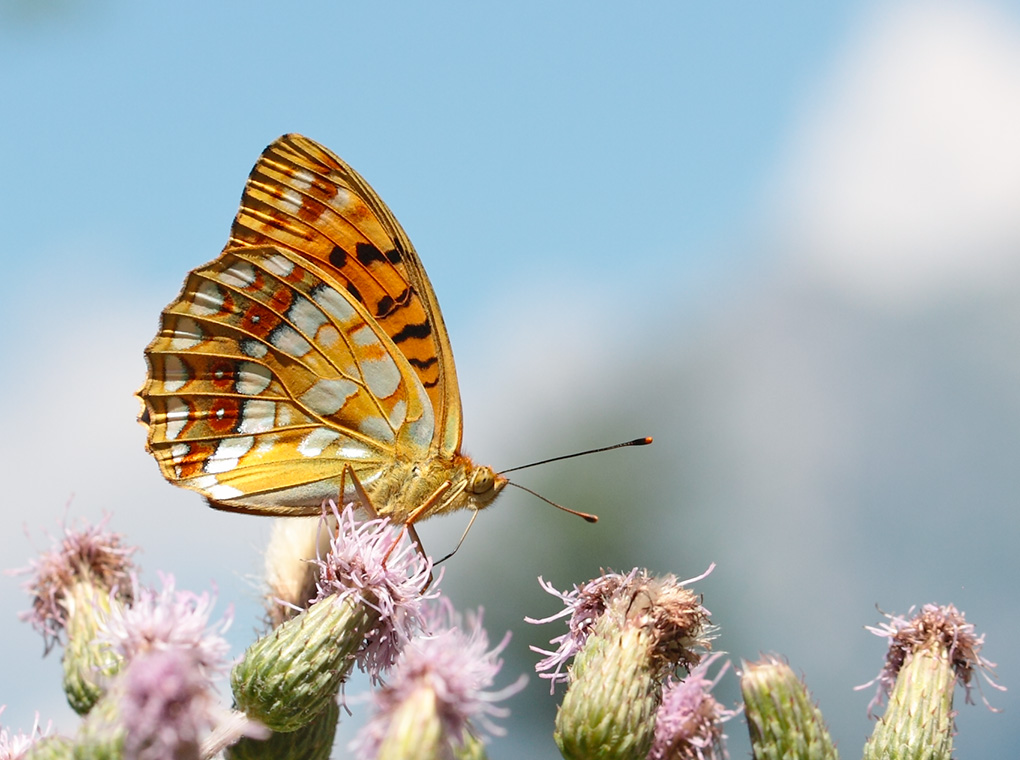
<point>88,664</point>
<point>472,749</point>
<point>438,694</point>
<point>626,635</point>
<point>918,722</point>
<point>609,709</point>
<point>415,731</point>
<point>51,748</point>
<point>101,735</point>
<point>313,741</point>
<point>930,651</point>
<point>289,676</point>
<point>782,719</point>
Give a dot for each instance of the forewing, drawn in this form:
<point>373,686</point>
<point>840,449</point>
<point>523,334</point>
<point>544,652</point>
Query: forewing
<point>266,380</point>
<point>302,197</point>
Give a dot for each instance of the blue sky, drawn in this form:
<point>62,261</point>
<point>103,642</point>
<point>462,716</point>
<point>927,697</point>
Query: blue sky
<point>511,125</point>
<point>596,191</point>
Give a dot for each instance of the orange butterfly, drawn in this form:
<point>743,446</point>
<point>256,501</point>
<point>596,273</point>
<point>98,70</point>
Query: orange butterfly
<point>311,357</point>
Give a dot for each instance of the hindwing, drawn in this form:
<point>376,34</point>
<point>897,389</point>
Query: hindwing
<point>267,378</point>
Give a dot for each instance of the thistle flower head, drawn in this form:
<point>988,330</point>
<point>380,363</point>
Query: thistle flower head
<point>167,702</point>
<point>626,635</point>
<point>364,565</point>
<point>14,746</point>
<point>671,612</point>
<point>688,725</point>
<point>160,621</point>
<point>934,627</point>
<point>91,555</point>
<point>584,605</point>
<point>168,707</point>
<point>451,671</point>
<point>782,718</point>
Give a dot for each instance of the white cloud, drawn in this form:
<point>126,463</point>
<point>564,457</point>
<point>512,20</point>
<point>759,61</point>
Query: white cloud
<point>905,178</point>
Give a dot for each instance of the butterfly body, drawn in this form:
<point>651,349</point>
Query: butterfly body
<point>406,486</point>
<point>310,353</point>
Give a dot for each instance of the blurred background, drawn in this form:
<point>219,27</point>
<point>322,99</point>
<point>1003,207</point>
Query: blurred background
<point>782,238</point>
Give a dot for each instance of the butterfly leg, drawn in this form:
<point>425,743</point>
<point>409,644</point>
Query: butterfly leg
<point>363,498</point>
<point>463,535</point>
<point>361,495</point>
<point>424,508</point>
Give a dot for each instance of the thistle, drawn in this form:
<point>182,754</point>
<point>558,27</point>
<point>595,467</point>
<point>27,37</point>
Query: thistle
<point>929,654</point>
<point>689,723</point>
<point>292,574</point>
<point>367,607</point>
<point>439,694</point>
<point>627,633</point>
<point>781,716</point>
<point>14,746</point>
<point>140,664</point>
<point>74,586</point>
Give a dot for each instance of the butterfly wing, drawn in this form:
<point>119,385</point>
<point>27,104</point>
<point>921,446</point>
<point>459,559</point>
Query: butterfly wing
<point>302,198</point>
<point>267,379</point>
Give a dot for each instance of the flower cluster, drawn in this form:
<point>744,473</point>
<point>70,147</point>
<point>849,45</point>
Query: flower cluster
<point>140,663</point>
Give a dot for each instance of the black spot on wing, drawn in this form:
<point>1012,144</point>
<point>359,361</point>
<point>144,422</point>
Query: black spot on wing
<point>393,256</point>
<point>355,292</point>
<point>367,254</point>
<point>421,330</point>
<point>423,363</point>
<point>338,257</point>
<point>388,305</point>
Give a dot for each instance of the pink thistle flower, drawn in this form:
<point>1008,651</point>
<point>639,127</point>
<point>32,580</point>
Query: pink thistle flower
<point>676,610</point>
<point>441,683</point>
<point>168,706</point>
<point>363,565</point>
<point>939,626</point>
<point>16,746</point>
<point>688,725</point>
<point>168,620</point>
<point>91,555</point>
<point>584,605</point>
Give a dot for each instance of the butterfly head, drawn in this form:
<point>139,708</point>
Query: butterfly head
<point>483,485</point>
<point>443,486</point>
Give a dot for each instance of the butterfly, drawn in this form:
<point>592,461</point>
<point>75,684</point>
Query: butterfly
<point>310,357</point>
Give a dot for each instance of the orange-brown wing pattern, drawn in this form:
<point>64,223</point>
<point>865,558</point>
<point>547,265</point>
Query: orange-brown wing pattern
<point>303,198</point>
<point>265,381</point>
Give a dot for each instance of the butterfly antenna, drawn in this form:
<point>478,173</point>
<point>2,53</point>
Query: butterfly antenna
<point>636,442</point>
<point>583,515</point>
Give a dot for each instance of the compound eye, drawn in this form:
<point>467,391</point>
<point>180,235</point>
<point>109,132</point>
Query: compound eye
<point>481,480</point>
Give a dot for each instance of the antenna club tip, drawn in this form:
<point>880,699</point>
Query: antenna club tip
<point>591,518</point>
<point>645,441</point>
